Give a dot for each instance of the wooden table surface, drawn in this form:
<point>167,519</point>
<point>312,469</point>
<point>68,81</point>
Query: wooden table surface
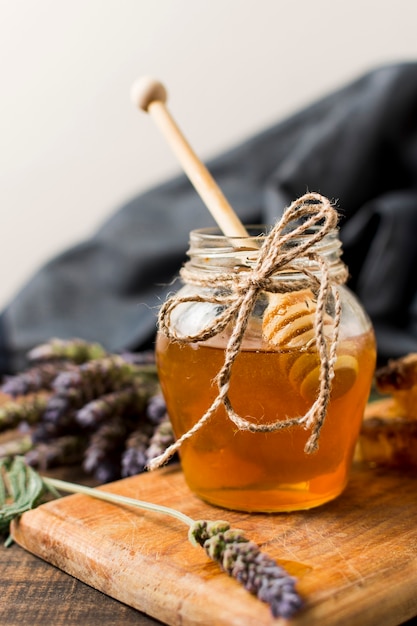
<point>37,594</point>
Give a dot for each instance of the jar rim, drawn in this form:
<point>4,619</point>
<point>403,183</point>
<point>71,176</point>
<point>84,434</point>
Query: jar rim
<point>212,238</point>
<point>254,230</point>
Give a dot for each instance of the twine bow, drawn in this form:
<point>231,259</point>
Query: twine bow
<point>313,217</point>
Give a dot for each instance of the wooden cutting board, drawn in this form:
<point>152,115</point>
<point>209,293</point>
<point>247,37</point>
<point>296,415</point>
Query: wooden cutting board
<point>355,558</point>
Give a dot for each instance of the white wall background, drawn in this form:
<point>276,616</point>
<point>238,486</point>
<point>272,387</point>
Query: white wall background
<point>73,148</point>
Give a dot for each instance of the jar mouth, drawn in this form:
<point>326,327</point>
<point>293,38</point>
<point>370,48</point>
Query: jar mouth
<point>212,239</point>
<point>211,250</point>
<point>214,232</point>
<point>213,236</point>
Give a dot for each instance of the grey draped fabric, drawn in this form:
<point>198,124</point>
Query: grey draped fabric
<point>357,146</point>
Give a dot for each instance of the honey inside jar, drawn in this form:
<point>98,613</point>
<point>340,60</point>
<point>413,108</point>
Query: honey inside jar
<point>264,471</point>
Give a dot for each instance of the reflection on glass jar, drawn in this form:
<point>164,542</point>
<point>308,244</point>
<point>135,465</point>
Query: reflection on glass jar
<point>276,376</point>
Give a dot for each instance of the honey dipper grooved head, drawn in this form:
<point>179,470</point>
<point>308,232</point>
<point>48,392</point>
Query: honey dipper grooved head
<point>289,319</point>
<point>146,90</point>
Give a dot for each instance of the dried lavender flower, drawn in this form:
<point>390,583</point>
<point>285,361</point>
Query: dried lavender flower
<point>85,388</point>
<point>58,409</point>
<point>146,357</point>
<point>36,378</point>
<point>45,431</point>
<point>162,437</point>
<point>14,413</point>
<point>110,405</point>
<point>76,350</point>
<point>65,450</point>
<point>243,560</point>
<point>156,410</point>
<point>16,447</point>
<point>105,448</point>
<point>134,458</point>
<point>94,378</point>
<point>107,471</point>
<point>72,389</point>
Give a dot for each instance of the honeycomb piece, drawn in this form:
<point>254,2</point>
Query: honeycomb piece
<point>399,379</point>
<point>387,437</point>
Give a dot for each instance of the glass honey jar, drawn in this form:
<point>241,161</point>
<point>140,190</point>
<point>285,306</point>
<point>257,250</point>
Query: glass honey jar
<point>275,377</point>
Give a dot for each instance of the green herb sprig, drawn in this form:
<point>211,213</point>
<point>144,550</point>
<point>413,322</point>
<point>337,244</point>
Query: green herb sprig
<point>22,489</point>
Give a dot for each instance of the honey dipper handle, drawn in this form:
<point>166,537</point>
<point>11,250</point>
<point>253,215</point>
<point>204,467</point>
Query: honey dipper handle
<point>150,95</point>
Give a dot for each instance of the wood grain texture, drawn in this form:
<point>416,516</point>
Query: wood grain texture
<point>355,558</point>
<point>35,594</point>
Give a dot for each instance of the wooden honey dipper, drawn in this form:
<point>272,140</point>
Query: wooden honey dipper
<point>289,323</point>
<point>289,318</point>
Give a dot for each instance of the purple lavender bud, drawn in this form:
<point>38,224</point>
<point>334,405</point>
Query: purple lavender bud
<point>48,430</point>
<point>56,408</point>
<point>110,405</point>
<point>163,436</point>
<point>96,378</point>
<point>84,383</point>
<point>65,450</point>
<point>34,379</point>
<point>66,380</point>
<point>92,459</point>
<point>133,462</point>
<point>147,357</point>
<point>105,447</point>
<point>107,471</point>
<point>242,559</point>
<point>41,433</point>
<point>156,409</point>
<point>134,457</point>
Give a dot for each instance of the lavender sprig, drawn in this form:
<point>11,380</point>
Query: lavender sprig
<point>96,377</point>
<point>14,413</point>
<point>146,357</point>
<point>156,409</point>
<point>163,436</point>
<point>108,406</point>
<point>243,560</point>
<point>16,447</point>
<point>73,389</point>
<point>236,555</point>
<point>129,400</point>
<point>45,431</point>
<point>134,458</point>
<point>36,378</point>
<point>103,455</point>
<point>65,450</point>
<point>75,350</point>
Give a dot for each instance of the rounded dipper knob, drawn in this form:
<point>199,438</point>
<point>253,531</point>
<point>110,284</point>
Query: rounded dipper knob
<point>146,90</point>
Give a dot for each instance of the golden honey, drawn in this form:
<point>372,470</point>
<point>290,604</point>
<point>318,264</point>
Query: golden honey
<point>261,471</point>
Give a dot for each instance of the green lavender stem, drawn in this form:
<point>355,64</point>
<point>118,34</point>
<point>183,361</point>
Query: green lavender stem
<point>68,487</point>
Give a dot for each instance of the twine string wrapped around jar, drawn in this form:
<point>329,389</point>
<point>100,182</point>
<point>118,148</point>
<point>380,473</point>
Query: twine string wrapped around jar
<point>312,217</point>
